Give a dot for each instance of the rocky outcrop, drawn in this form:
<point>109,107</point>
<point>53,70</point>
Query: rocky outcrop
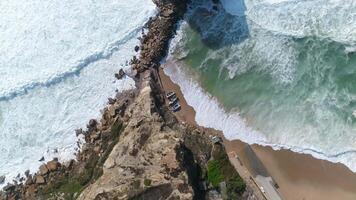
<point>138,149</point>
<point>161,29</point>
<point>155,158</point>
<point>143,164</point>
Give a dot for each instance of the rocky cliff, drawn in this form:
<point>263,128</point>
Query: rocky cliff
<point>138,149</point>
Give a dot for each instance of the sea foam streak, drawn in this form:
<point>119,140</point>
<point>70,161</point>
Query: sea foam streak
<point>59,38</point>
<point>57,65</point>
<point>333,19</point>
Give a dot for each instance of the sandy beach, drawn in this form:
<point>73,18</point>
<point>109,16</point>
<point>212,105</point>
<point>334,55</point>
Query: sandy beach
<point>299,176</point>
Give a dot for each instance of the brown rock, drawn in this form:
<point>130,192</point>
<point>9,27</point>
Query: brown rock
<point>43,169</point>
<point>97,149</point>
<point>29,180</point>
<point>53,165</point>
<point>95,136</point>
<point>40,180</point>
<point>31,191</point>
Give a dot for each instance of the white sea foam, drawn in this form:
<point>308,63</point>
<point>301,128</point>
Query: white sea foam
<point>57,65</point>
<point>278,56</point>
<point>235,127</point>
<point>231,124</point>
<point>58,38</point>
<point>334,19</point>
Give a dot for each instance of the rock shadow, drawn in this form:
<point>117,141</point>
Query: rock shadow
<point>218,26</point>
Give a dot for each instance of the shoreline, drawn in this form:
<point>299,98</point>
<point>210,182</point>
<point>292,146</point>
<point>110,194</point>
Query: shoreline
<point>286,167</point>
<point>67,180</point>
<point>293,172</point>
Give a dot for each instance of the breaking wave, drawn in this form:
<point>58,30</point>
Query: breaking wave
<point>284,79</point>
<point>74,71</point>
<point>57,66</point>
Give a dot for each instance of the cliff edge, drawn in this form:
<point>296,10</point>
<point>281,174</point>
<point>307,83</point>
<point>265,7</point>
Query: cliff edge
<point>138,149</point>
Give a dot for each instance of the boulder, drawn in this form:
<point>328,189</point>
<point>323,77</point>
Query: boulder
<point>53,165</point>
<point>92,123</point>
<point>120,75</point>
<point>79,132</point>
<point>69,164</point>
<point>111,101</point>
<point>9,187</point>
<point>43,169</point>
<point>29,180</point>
<point>27,173</point>
<point>2,179</point>
<point>40,179</point>
<point>137,48</point>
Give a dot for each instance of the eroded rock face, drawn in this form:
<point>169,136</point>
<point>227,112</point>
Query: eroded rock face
<point>145,162</point>
<point>137,151</point>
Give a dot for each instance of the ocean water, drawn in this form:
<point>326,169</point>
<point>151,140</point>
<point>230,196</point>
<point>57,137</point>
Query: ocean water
<point>280,73</point>
<point>56,72</point>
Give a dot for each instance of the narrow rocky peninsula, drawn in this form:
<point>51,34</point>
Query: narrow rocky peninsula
<point>138,149</point>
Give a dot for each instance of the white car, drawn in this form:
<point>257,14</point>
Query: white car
<point>173,101</point>
<point>176,107</point>
<point>170,95</point>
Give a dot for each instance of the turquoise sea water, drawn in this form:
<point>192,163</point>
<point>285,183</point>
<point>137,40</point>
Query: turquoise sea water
<point>298,92</point>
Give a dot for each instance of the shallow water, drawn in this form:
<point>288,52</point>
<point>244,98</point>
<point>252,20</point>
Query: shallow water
<point>283,75</point>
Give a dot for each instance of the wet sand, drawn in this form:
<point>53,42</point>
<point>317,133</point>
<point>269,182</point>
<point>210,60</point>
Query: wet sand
<point>299,176</point>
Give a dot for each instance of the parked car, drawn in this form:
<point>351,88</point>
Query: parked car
<point>169,95</point>
<point>173,101</point>
<point>176,107</point>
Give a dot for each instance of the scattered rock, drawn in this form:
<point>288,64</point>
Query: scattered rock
<point>42,159</point>
<point>31,190</point>
<point>120,75</point>
<point>137,48</point>
<point>97,149</point>
<point>69,164</point>
<point>95,136</point>
<point>79,132</point>
<point>40,179</point>
<point>29,180</point>
<point>43,169</point>
<point>111,101</point>
<point>92,123</point>
<point>9,187</point>
<point>27,173</point>
<point>53,165</point>
<point>167,13</point>
<point>2,179</point>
